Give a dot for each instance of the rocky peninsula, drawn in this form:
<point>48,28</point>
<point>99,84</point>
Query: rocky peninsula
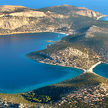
<point>84,47</point>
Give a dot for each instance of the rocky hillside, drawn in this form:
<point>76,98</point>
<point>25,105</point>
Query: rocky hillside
<point>72,10</point>
<point>11,8</point>
<point>19,19</point>
<point>96,29</point>
<point>70,57</point>
<point>81,50</point>
<point>86,91</point>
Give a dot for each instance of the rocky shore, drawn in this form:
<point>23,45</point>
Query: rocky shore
<point>91,69</point>
<point>70,57</point>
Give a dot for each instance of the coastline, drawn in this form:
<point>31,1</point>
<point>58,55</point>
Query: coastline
<point>90,70</point>
<point>101,17</point>
<point>59,65</point>
<point>15,33</point>
<point>88,92</point>
<point>41,85</point>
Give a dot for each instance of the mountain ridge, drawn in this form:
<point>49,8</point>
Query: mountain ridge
<point>19,19</point>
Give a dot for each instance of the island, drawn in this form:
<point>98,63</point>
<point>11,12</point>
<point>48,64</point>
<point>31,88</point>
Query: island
<point>84,47</point>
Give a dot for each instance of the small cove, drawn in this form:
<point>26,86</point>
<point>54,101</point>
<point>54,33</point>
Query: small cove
<point>102,70</point>
<point>104,18</point>
<point>19,74</point>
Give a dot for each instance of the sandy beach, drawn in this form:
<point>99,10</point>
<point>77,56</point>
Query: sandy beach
<point>90,70</point>
<point>101,17</point>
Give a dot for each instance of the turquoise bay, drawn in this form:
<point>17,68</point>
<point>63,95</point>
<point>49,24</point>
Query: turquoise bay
<point>19,74</point>
<point>104,18</point>
<point>102,70</point>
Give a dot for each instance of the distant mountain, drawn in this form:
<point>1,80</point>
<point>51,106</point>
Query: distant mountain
<point>72,10</point>
<point>19,19</point>
<point>11,8</point>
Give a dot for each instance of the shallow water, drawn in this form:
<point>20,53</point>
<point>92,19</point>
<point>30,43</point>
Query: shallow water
<point>18,73</point>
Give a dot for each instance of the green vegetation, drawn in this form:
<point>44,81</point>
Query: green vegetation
<point>13,98</point>
<point>50,95</point>
<point>80,24</point>
<point>57,91</point>
<point>97,44</point>
<point>33,97</point>
<point>102,24</point>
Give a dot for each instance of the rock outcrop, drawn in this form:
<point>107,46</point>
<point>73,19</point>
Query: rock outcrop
<point>19,19</point>
<point>89,13</point>
<point>90,95</point>
<point>29,13</point>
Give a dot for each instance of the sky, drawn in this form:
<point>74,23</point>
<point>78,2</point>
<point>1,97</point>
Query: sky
<point>36,3</point>
<point>97,5</point>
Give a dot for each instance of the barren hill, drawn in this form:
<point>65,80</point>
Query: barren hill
<point>19,19</point>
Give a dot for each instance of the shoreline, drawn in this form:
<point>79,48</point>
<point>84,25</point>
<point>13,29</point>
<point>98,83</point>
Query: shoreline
<point>101,17</point>
<point>90,70</point>
<point>61,33</point>
<point>59,65</point>
<point>15,33</point>
<point>40,85</point>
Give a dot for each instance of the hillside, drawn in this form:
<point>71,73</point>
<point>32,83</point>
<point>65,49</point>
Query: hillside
<point>85,91</point>
<point>72,10</point>
<point>19,19</point>
<point>81,50</point>
<point>86,44</point>
<point>11,8</point>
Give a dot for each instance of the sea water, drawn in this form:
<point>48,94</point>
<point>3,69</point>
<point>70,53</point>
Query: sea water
<point>102,70</point>
<point>19,74</point>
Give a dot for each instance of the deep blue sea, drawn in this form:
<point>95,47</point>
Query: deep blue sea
<point>18,73</point>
